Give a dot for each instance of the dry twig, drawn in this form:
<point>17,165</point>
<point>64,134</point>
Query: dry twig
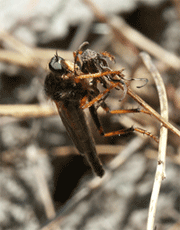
<point>160,171</point>
<point>27,111</point>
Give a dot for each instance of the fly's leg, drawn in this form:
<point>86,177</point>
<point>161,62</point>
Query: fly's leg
<point>122,131</point>
<point>123,111</point>
<point>97,75</point>
<point>98,98</point>
<point>110,56</point>
<point>77,61</point>
<point>130,130</point>
<point>96,120</point>
<point>95,117</point>
<point>102,96</point>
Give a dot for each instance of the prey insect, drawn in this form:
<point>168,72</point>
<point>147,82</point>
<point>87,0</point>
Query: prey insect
<point>74,88</point>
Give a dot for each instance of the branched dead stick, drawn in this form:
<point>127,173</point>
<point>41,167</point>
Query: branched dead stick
<point>162,98</point>
<point>26,51</point>
<point>133,38</point>
<point>144,43</point>
<point>160,171</point>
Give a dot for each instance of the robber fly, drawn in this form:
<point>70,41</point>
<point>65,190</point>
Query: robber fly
<point>74,88</point>
<point>70,94</point>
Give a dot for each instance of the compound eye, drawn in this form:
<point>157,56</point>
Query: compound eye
<point>55,64</point>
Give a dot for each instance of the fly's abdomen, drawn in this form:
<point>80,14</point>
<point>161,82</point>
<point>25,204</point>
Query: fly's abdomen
<point>74,120</point>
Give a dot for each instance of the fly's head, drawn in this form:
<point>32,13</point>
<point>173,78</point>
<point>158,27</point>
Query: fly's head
<point>55,81</point>
<point>57,65</point>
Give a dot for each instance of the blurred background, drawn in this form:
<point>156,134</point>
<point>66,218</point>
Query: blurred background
<point>44,182</point>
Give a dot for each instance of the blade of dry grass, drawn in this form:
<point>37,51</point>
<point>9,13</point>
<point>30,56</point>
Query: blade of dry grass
<point>23,55</point>
<point>42,55</point>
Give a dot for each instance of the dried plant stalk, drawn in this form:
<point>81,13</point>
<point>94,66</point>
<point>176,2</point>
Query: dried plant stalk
<point>27,111</point>
<point>23,55</point>
<point>160,171</point>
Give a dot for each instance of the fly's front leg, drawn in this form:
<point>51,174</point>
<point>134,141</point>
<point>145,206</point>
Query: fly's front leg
<point>98,75</point>
<point>110,56</point>
<point>99,97</point>
<point>102,96</point>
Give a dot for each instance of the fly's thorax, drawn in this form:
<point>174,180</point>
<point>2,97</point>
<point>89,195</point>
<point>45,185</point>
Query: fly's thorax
<point>63,87</point>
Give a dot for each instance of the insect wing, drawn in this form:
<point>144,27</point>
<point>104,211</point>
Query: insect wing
<point>74,120</point>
